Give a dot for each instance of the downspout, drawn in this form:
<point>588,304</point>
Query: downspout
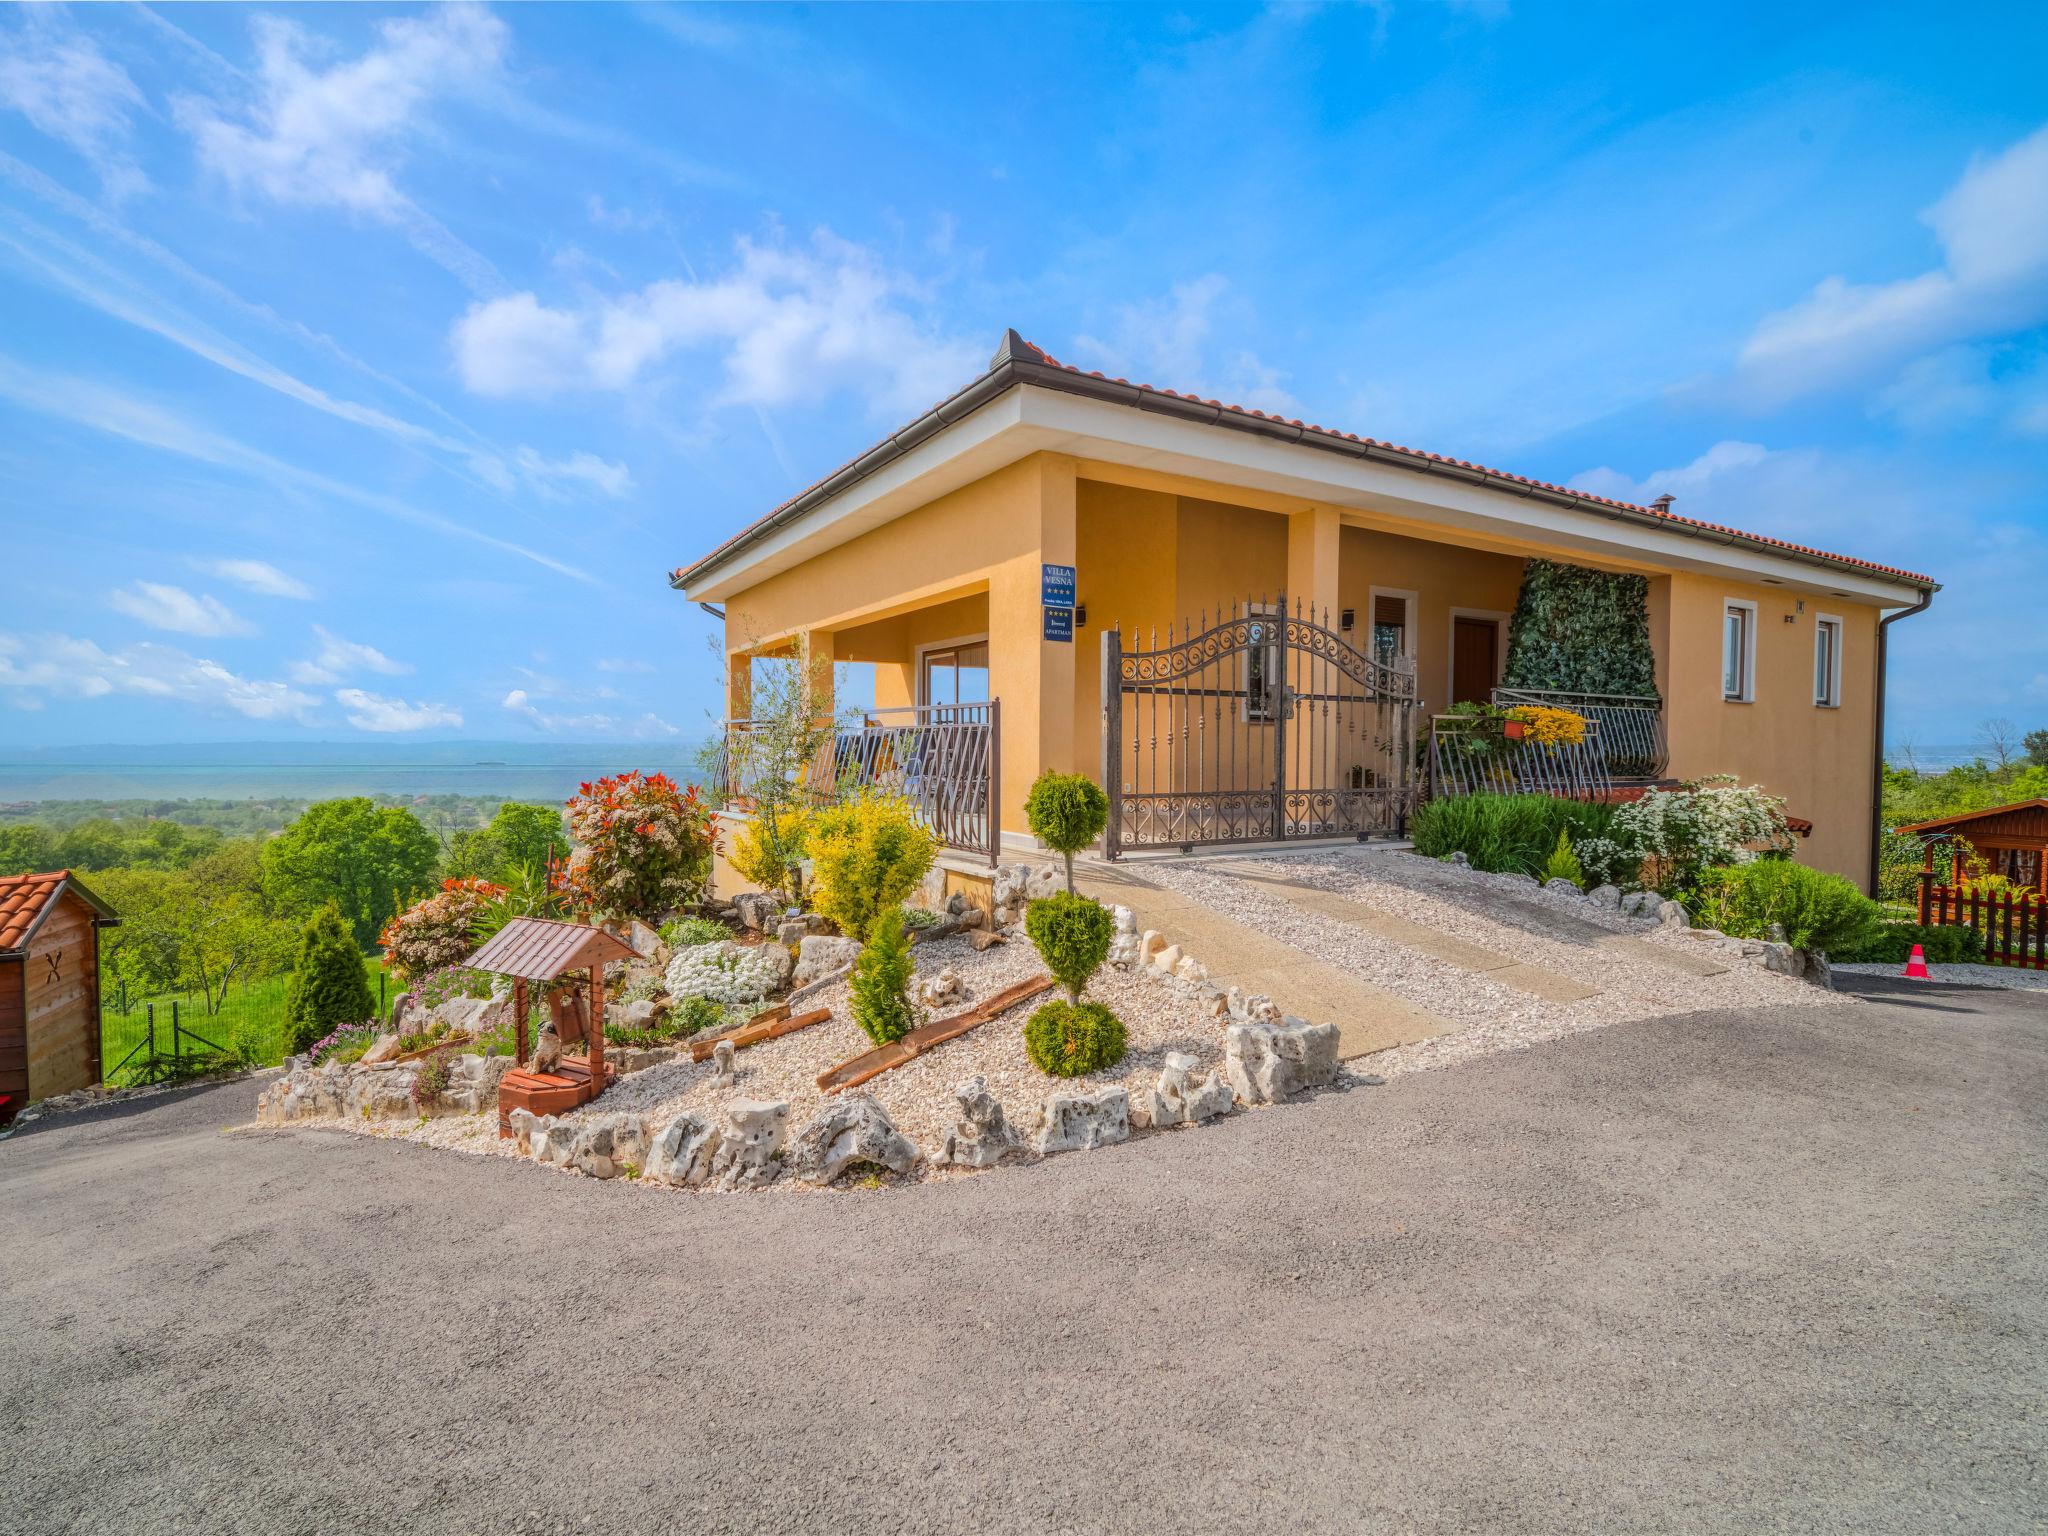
<point>1877,755</point>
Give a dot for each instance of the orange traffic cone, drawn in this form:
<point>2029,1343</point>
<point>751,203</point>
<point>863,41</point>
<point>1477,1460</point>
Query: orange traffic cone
<point>1916,965</point>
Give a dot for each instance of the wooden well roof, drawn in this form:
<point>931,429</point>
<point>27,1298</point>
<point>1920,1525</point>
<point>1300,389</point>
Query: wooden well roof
<point>2023,824</point>
<point>540,949</point>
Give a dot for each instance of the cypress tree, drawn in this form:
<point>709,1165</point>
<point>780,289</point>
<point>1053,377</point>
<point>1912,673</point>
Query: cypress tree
<point>328,987</point>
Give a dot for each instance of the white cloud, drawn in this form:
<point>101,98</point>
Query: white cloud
<point>788,325</point>
<point>1169,342</point>
<point>109,410</point>
<point>258,576</point>
<point>1992,226</point>
<point>337,137</point>
<point>339,658</point>
<point>35,666</point>
<point>374,712</point>
<point>173,608</point>
<point>59,80</point>
<point>641,728</point>
<point>579,471</point>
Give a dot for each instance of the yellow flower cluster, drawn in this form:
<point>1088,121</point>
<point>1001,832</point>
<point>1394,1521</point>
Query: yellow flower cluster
<point>1552,727</point>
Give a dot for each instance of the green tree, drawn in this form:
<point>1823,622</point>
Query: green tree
<point>2036,744</point>
<point>1067,812</point>
<point>880,984</point>
<point>91,845</point>
<point>27,848</point>
<point>520,836</point>
<point>328,987</point>
<point>369,862</point>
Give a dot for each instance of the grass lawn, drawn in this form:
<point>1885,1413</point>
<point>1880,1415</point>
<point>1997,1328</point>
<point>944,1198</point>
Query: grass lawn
<point>252,1017</point>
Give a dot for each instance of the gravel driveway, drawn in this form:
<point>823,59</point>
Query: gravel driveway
<point>1777,1270</point>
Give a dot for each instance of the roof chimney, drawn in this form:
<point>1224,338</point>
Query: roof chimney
<point>1014,349</point>
<point>1663,504</point>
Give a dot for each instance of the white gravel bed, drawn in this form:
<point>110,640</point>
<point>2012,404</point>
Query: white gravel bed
<point>1158,1017</point>
<point>2012,977</point>
<point>1468,905</point>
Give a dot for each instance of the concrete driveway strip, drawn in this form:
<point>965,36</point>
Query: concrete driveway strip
<point>1368,1018</point>
<point>1781,1271</point>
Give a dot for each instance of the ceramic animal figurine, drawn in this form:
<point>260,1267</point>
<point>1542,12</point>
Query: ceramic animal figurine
<point>547,1050</point>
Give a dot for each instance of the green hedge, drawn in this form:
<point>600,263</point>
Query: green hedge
<point>1505,834</point>
<point>1580,631</point>
<point>1892,944</point>
<point>1815,909</point>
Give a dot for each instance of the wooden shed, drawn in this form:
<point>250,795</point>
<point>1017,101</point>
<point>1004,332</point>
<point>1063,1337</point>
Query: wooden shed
<point>49,987</point>
<point>2012,838</point>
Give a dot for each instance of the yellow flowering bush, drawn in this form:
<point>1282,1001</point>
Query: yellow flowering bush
<point>867,855</point>
<point>1548,725</point>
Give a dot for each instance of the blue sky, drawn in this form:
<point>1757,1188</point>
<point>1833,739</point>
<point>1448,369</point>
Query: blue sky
<point>364,370</point>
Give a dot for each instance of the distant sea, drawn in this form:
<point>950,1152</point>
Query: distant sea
<point>1932,759</point>
<point>322,770</point>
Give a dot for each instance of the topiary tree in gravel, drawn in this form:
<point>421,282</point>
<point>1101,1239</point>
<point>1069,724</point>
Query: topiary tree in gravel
<point>1067,812</point>
<point>1072,935</point>
<point>328,988</point>
<point>881,979</point>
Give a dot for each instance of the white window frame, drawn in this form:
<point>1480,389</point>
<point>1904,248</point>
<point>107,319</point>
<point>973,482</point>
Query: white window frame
<point>1822,623</point>
<point>1411,614</point>
<point>1748,658</point>
<point>918,654</point>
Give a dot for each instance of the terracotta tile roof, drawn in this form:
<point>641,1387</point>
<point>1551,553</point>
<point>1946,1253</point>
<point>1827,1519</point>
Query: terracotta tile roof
<point>1309,433</point>
<point>25,898</point>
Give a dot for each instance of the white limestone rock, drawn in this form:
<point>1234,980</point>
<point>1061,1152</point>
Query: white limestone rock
<point>1165,960</point>
<point>821,955</point>
<point>1641,903</point>
<point>983,1133</point>
<point>607,1146</point>
<point>1672,914</point>
<point>1079,1122</point>
<point>1266,1063</point>
<point>1210,1098</point>
<point>1165,1104</point>
<point>750,1144</point>
<point>682,1150</point>
<point>943,988</point>
<point>850,1129</point>
<point>523,1123</point>
<point>1190,969</point>
<point>1605,895</point>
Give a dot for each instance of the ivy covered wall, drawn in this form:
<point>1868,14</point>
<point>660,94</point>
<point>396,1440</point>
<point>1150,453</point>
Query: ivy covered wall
<point>1581,631</point>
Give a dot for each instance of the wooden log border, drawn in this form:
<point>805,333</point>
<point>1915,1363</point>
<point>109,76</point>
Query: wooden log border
<point>883,1058</point>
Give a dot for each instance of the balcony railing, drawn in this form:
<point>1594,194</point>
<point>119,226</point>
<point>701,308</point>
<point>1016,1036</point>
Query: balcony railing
<point>1465,761</point>
<point>1631,727</point>
<point>945,759</point>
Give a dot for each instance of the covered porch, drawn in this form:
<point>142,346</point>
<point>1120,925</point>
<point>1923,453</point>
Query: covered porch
<point>1282,664</point>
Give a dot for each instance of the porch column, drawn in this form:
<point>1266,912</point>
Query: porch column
<point>1312,541</point>
<point>739,685</point>
<point>817,645</point>
<point>1033,676</point>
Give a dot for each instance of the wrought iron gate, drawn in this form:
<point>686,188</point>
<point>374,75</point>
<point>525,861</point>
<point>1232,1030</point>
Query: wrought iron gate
<point>1265,726</point>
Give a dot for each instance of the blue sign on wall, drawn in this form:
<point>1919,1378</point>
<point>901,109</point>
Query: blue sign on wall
<point>1059,622</point>
<point>1058,584</point>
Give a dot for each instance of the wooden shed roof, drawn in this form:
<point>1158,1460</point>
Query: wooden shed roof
<point>25,900</point>
<point>540,949</point>
<point>2024,818</point>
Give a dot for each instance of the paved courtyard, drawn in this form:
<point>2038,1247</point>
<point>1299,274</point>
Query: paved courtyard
<point>1720,1271</point>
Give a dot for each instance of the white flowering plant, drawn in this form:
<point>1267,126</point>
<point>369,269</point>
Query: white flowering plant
<point>1703,824</point>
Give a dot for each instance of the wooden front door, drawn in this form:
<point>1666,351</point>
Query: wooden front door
<point>1475,659</point>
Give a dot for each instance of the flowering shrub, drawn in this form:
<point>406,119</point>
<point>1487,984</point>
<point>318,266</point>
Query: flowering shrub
<point>1550,726</point>
<point>687,931</point>
<point>643,846</point>
<point>438,931</point>
<point>1705,823</point>
<point>728,972</point>
<point>769,850</point>
<point>448,983</point>
<point>346,1044</point>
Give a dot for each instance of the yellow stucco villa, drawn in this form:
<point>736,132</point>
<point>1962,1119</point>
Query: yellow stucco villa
<point>1249,629</point>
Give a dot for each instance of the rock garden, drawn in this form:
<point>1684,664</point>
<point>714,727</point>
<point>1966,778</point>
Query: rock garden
<point>845,1024</point>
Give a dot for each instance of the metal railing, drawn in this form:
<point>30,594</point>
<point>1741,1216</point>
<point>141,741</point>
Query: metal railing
<point>1465,761</point>
<point>1631,726</point>
<point>945,759</point>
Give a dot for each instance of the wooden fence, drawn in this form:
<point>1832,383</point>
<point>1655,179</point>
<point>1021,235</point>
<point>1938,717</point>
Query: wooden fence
<point>2014,931</point>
